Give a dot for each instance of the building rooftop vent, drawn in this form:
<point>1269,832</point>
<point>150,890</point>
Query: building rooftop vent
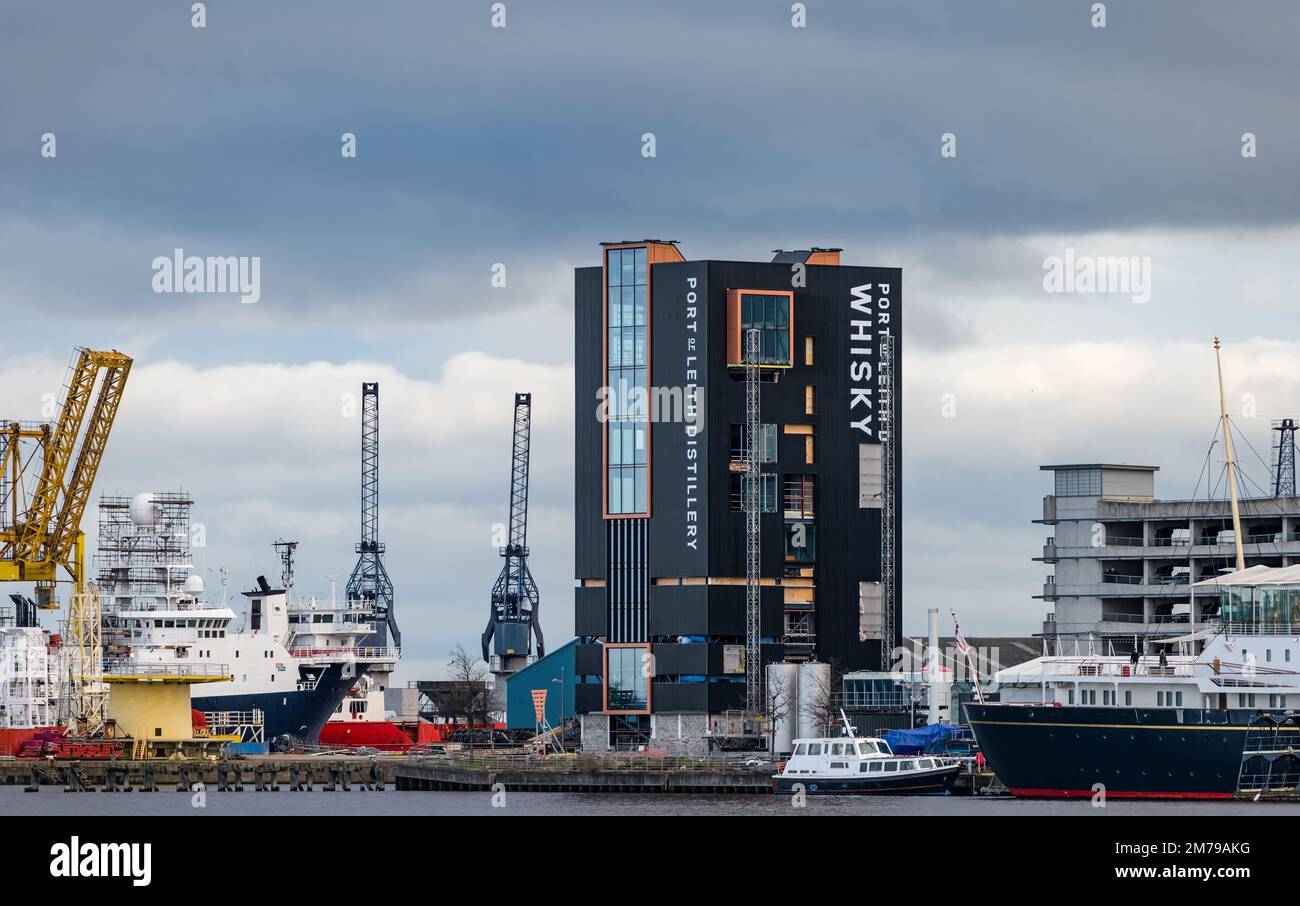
<point>814,255</point>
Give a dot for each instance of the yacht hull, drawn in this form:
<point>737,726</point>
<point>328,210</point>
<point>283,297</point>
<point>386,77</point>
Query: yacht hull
<point>937,782</point>
<point>1071,752</point>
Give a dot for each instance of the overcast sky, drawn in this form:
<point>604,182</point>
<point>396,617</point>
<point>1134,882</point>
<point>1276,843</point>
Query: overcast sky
<point>523,145</point>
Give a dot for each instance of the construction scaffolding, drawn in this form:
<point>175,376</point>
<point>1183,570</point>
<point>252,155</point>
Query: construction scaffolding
<point>754,702</point>
<point>1283,457</point>
<point>142,560</point>
<point>888,504</point>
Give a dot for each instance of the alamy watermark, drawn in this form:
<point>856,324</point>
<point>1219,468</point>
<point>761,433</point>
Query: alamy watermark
<point>183,273</point>
<point>1098,274</point>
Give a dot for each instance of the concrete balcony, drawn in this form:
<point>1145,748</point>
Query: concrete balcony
<point>1124,548</point>
<point>1162,628</point>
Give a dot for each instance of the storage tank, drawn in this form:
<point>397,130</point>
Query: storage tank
<point>783,699</point>
<point>814,687</point>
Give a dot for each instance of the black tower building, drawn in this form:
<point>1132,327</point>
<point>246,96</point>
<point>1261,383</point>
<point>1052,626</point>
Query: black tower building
<point>660,533</point>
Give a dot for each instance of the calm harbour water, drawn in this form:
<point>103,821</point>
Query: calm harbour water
<point>52,800</point>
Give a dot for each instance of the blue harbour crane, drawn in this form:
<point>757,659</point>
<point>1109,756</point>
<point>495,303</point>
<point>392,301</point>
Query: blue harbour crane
<point>514,595</point>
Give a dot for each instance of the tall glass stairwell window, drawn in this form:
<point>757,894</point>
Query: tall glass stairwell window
<point>628,378</point>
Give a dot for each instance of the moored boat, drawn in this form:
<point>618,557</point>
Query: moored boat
<point>862,765</point>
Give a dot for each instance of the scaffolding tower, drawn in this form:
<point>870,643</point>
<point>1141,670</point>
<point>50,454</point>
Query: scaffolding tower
<point>1283,457</point>
<point>888,501</point>
<point>753,509</point>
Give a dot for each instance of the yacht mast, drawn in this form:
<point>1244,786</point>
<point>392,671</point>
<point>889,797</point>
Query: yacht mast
<point>1231,463</point>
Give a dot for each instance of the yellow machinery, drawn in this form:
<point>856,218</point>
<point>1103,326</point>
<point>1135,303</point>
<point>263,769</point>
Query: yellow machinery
<point>42,532</point>
<point>87,692</point>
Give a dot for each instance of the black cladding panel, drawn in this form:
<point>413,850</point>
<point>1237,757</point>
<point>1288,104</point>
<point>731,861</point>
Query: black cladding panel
<point>680,331</point>
<point>589,355</point>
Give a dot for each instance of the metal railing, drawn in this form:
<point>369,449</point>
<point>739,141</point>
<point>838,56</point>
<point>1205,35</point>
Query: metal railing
<point>1117,578</point>
<point>125,667</point>
<point>347,654</point>
<point>254,717</point>
<point>1125,670</point>
<point>590,764</point>
<point>882,700</point>
<point>1234,628</point>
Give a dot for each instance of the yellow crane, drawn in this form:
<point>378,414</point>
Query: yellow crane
<point>42,532</point>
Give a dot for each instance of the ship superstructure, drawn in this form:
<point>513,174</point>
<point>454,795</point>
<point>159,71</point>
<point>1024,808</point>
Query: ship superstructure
<point>286,664</point>
<point>29,681</point>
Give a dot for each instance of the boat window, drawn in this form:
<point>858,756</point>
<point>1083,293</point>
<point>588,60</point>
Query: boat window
<point>837,748</point>
<point>883,748</point>
<point>800,749</point>
<point>875,767</point>
<point>891,766</point>
<point>815,748</point>
<point>907,766</point>
<point>867,748</point>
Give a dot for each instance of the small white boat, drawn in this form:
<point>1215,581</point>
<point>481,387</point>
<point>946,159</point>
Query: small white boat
<point>862,765</point>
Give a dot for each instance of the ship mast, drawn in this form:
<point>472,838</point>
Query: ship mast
<point>1231,462</point>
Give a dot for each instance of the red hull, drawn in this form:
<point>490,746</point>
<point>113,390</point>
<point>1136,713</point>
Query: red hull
<point>384,735</point>
<point>11,741</point>
<point>390,736</point>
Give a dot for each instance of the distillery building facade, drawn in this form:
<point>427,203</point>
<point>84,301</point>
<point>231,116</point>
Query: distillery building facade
<point>660,412</point>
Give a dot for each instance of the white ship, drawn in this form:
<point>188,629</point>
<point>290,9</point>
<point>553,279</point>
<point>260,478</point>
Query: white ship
<point>29,678</point>
<point>290,662</point>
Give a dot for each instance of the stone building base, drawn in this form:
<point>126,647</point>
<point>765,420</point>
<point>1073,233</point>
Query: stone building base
<point>681,735</point>
<point>595,733</point>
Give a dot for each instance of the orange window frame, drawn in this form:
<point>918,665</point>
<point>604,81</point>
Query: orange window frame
<point>649,680</point>
<point>656,252</point>
<point>735,354</point>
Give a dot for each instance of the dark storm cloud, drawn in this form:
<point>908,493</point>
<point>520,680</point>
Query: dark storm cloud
<point>479,145</point>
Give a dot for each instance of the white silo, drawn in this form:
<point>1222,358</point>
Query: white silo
<point>783,705</point>
<point>814,698</point>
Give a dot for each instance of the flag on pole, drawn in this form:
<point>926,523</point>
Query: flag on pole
<point>965,649</point>
<point>961,642</point>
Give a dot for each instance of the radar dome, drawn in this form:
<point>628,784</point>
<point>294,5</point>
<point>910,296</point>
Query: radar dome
<point>145,510</point>
<point>193,586</point>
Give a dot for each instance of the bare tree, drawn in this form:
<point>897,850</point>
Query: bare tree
<point>467,697</point>
<point>823,703</point>
<point>781,705</point>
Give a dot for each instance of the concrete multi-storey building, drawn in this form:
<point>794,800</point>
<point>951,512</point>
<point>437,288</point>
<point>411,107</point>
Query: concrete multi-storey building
<point>660,402</point>
<point>1123,561</point>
